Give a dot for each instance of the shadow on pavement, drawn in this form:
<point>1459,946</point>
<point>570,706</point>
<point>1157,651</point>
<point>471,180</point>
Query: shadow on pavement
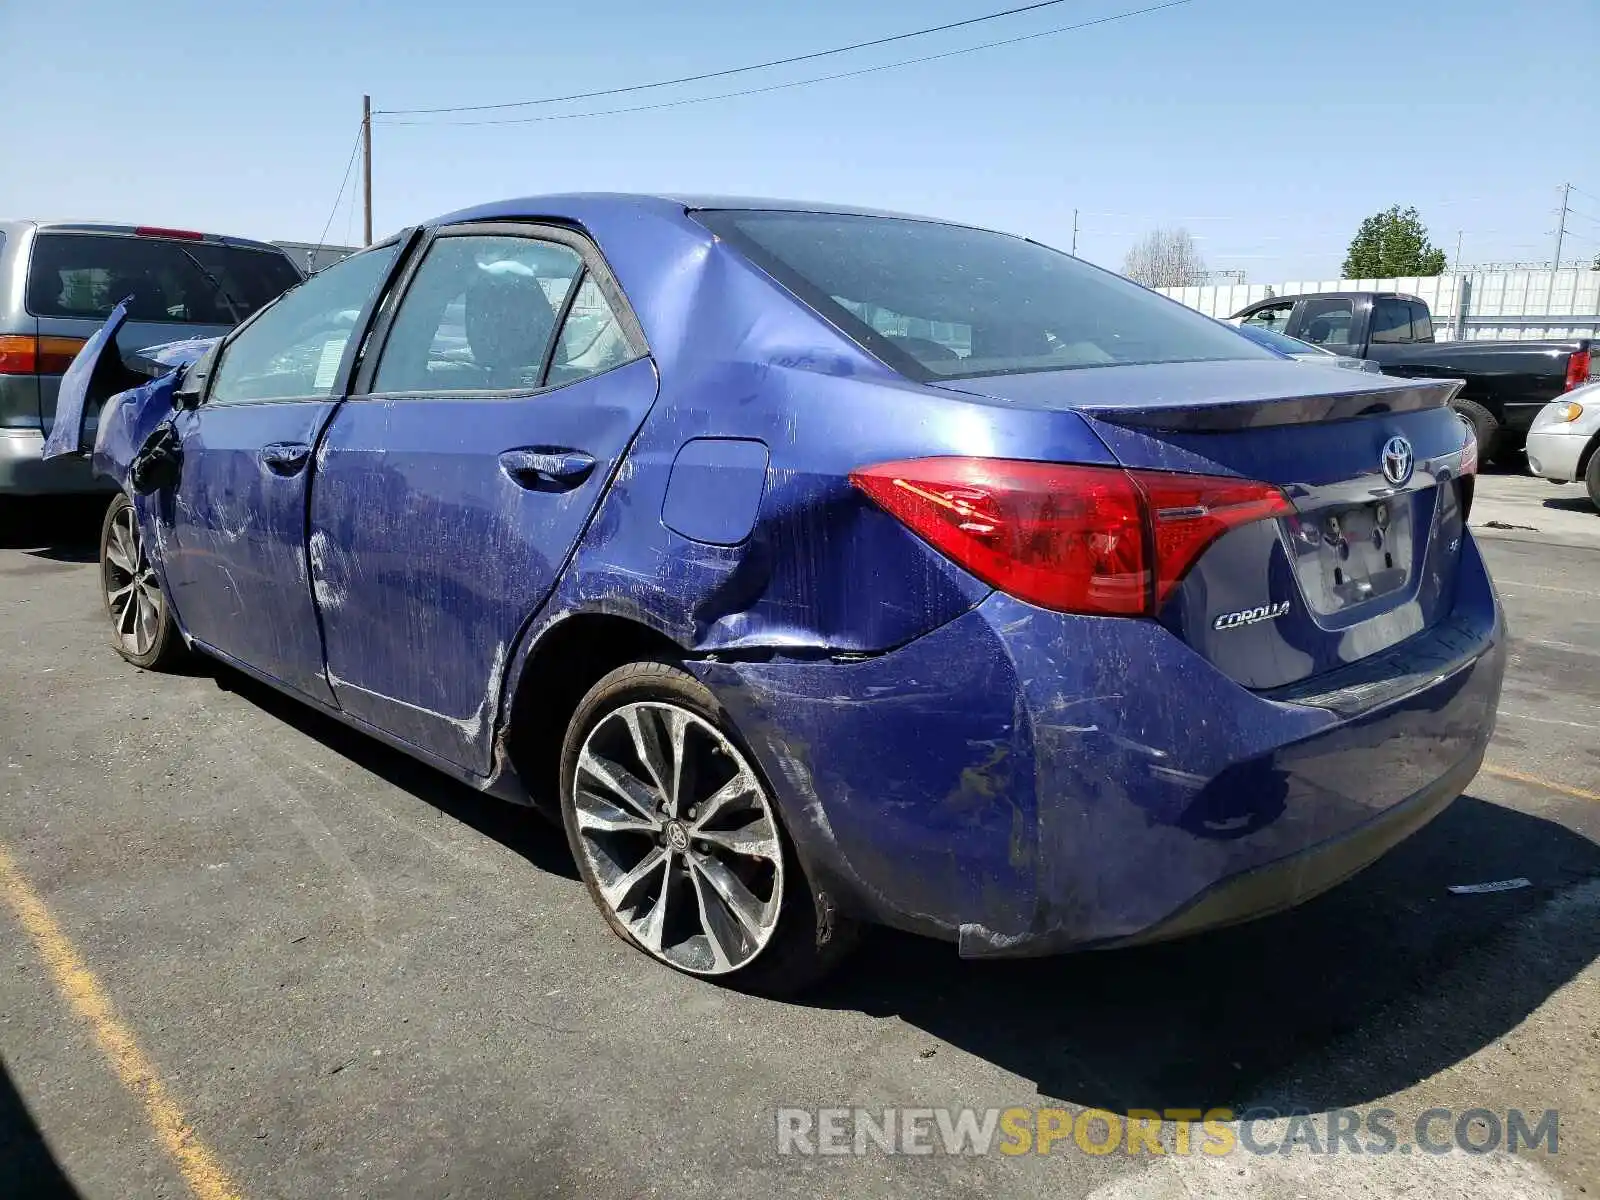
<point>64,528</point>
<point>28,1171</point>
<point>519,829</point>
<point>1207,1022</point>
<point>1578,502</point>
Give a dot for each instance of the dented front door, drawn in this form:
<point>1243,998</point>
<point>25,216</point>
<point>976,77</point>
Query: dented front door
<point>236,563</point>
<point>235,559</point>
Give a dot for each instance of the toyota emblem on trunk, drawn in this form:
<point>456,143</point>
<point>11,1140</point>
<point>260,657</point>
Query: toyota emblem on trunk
<point>1397,460</point>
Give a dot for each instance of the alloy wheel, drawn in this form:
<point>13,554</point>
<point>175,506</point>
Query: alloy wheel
<point>133,594</point>
<point>679,836</point>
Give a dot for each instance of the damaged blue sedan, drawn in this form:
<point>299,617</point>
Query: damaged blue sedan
<point>816,566</point>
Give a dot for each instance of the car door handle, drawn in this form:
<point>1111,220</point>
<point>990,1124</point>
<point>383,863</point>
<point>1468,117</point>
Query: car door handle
<point>285,458</point>
<point>542,469</point>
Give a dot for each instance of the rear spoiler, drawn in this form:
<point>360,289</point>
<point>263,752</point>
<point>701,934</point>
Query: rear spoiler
<point>1255,413</point>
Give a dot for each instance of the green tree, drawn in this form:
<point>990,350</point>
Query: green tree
<point>1390,244</point>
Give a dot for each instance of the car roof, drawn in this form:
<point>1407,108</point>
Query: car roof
<point>575,206</point>
<point>72,225</point>
<point>1351,295</point>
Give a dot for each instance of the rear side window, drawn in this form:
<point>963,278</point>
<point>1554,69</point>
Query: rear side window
<point>481,314</point>
<point>1421,323</point>
<point>1327,322</point>
<point>170,281</point>
<point>939,301</point>
<point>1391,321</point>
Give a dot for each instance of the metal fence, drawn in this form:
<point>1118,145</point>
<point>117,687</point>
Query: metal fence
<point>1481,305</point>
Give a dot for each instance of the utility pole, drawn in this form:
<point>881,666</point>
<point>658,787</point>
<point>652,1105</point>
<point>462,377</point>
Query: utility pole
<point>1459,232</point>
<point>1561,225</point>
<point>366,166</point>
<point>1074,233</point>
<point>1561,233</point>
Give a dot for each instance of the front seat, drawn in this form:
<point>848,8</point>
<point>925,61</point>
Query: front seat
<point>508,323</point>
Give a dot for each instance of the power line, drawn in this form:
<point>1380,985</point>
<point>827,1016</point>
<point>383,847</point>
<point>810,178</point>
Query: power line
<point>776,87</point>
<point>322,239</point>
<point>723,74</point>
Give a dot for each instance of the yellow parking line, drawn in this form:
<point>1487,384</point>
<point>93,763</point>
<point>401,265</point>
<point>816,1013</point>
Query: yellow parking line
<point>204,1174</point>
<point>1548,784</point>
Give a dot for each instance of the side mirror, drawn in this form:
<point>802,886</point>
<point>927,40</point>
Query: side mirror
<point>191,387</point>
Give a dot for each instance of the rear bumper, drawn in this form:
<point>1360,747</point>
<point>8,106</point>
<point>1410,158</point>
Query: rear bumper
<point>1299,877</point>
<point>24,473</point>
<point>1023,782</point>
<point>1553,452</point>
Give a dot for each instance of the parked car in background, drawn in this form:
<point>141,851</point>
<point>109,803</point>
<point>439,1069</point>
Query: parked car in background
<point>58,282</point>
<point>1564,442</point>
<point>819,566</point>
<point>1505,383</point>
<point>1261,335</point>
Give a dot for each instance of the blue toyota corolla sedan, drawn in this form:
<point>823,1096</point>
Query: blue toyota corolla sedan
<point>818,566</point>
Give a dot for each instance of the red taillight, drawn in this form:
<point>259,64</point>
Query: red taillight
<point>187,235</point>
<point>1189,512</point>
<point>23,354</point>
<point>1073,538</point>
<point>1577,369</point>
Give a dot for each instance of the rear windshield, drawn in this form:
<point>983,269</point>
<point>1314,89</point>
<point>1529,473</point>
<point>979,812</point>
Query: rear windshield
<point>947,302</point>
<point>1281,342</point>
<point>171,281</point>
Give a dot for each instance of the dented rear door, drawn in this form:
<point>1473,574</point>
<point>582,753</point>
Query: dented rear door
<point>448,497</point>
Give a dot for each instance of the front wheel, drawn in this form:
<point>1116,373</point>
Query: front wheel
<point>142,628</point>
<point>1591,477</point>
<point>679,840</point>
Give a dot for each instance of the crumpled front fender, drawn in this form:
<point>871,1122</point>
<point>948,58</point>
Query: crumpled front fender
<point>132,395</point>
<point>126,423</point>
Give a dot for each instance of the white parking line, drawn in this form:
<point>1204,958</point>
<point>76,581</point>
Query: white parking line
<point>1506,712</point>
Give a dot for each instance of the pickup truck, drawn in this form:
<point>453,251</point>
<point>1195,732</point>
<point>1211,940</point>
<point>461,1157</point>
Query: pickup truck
<point>1507,383</point>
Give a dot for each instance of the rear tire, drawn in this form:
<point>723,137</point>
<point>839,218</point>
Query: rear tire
<point>1485,425</point>
<point>679,838</point>
<point>142,628</point>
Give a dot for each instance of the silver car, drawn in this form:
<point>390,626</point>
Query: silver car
<point>59,279</point>
<point>1564,440</point>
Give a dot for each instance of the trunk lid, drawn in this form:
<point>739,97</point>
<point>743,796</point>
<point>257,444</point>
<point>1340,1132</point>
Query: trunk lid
<point>1372,466</point>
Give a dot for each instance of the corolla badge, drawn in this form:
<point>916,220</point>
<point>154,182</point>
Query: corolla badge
<point>1249,616</point>
<point>1397,460</point>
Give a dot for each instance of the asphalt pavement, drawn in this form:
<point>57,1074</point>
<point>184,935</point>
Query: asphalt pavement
<point>247,952</point>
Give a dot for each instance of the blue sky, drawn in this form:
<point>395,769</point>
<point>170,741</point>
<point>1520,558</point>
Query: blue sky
<point>1268,131</point>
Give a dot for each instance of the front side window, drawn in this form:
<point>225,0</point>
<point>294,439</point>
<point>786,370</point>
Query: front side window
<point>1327,322</point>
<point>481,313</point>
<point>294,349</point>
<point>167,280</point>
<point>1274,317</point>
<point>1421,323</point>
<point>942,301</point>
